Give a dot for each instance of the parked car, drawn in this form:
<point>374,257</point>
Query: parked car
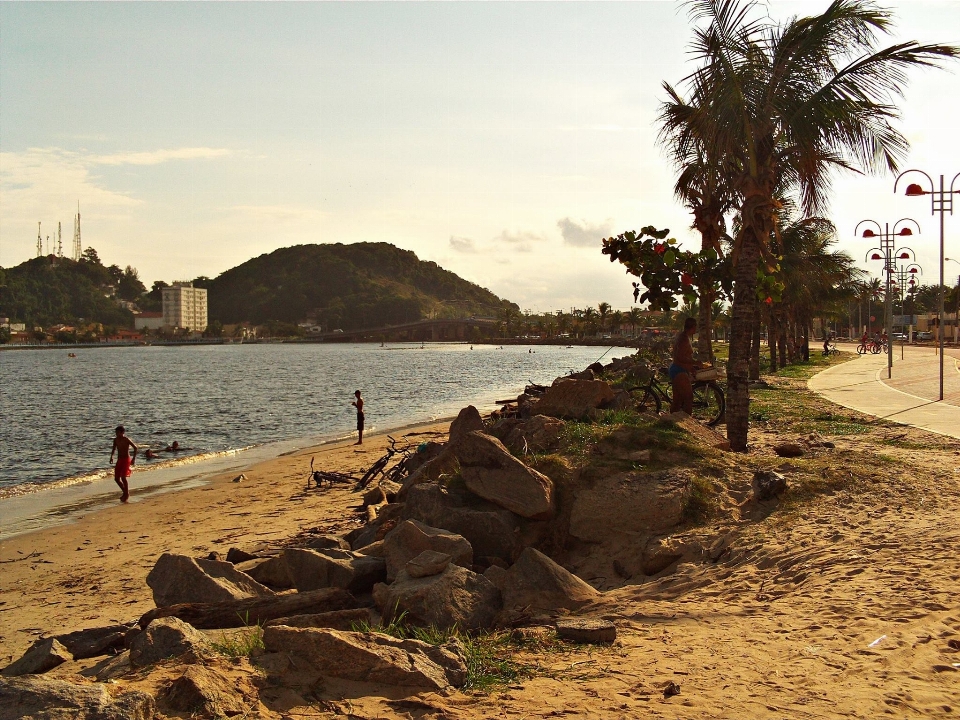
<point>899,336</point>
<point>923,336</point>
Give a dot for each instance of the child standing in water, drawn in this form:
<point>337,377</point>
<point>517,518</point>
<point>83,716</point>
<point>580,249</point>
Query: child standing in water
<point>358,404</point>
<point>121,446</point>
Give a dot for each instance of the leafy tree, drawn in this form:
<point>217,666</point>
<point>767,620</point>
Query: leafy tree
<point>4,335</point>
<point>129,286</point>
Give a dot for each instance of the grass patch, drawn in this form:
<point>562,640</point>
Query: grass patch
<point>240,644</point>
<point>700,503</point>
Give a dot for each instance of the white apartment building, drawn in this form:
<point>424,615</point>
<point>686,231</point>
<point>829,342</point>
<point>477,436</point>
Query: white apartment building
<point>185,306</point>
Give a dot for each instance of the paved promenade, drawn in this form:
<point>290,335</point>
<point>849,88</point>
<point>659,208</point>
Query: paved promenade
<point>908,398</point>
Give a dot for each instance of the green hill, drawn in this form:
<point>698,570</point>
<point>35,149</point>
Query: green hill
<point>49,290</point>
<point>344,286</point>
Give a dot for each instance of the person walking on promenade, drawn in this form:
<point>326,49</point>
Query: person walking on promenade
<point>358,404</point>
<point>122,470</point>
<point>682,369</point>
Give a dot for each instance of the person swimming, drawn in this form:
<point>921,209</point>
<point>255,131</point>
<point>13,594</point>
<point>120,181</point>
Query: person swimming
<point>173,447</point>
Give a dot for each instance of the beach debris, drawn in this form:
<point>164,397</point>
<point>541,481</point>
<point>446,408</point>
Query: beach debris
<point>411,538</point>
<point>178,579</point>
<point>43,655</point>
<point>316,569</point>
<point>670,689</point>
<point>94,642</point>
<point>789,450</point>
<point>491,472</point>
<point>427,563</point>
<point>630,502</point>
<point>455,597</point>
<point>240,478</point>
<point>253,611</point>
<point>166,638</point>
<point>204,690</point>
<point>335,619</point>
<point>490,530</point>
<point>42,697</point>
<point>582,630</point>
<point>537,583</point>
<point>370,657</point>
<point>236,556</point>
<point>574,399</point>
<point>768,484</point>
<point>877,641</point>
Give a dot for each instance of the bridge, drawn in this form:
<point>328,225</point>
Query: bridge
<point>438,330</point>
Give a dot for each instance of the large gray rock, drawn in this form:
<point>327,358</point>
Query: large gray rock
<point>206,691</point>
<point>630,503</point>
<point>538,434</point>
<point>455,597</point>
<point>490,530</point>
<point>445,463</point>
<point>490,471</point>
<point>41,698</point>
<point>316,569</point>
<point>180,579</point>
<point>371,657</point>
<point>427,563</point>
<point>93,642</point>
<point>272,572</point>
<point>166,638</point>
<point>335,619</point>
<point>537,583</point>
<point>43,655</point>
<point>410,538</point>
<point>573,399</point>
<point>467,421</point>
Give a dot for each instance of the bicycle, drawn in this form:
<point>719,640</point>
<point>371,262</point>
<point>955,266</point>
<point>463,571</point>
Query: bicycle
<point>831,349</point>
<point>871,346</point>
<point>709,402</point>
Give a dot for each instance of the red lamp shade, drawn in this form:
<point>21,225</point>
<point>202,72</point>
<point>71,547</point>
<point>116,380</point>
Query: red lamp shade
<point>904,255</point>
<point>906,232</point>
<point>913,190</point>
<point>912,281</point>
<point>876,256</point>
<point>869,233</point>
<point>913,270</point>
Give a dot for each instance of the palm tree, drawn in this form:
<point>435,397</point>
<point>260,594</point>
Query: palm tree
<point>784,105</point>
<point>603,311</point>
<point>616,321</point>
<point>589,318</point>
<point>634,317</point>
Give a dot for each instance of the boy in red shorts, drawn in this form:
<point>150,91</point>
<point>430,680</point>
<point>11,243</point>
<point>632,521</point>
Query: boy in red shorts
<point>121,446</point>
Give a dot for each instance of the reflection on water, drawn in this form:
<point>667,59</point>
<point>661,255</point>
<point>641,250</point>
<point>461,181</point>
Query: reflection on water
<point>59,412</point>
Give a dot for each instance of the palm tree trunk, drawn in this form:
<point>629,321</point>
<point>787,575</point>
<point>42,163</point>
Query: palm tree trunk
<point>755,343</point>
<point>705,323</point>
<point>741,332</point>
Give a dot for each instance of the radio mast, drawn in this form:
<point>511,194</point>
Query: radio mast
<point>77,252</point>
<point>39,241</point>
<point>59,242</point>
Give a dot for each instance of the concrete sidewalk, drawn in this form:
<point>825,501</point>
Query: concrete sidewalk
<point>862,384</point>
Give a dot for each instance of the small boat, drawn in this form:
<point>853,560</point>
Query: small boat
<point>71,354</point>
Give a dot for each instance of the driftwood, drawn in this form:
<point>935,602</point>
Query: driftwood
<point>254,611</point>
<point>93,642</point>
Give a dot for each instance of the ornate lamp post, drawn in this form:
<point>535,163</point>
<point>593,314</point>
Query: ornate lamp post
<point>905,282</point>
<point>941,201</point>
<point>889,253</point>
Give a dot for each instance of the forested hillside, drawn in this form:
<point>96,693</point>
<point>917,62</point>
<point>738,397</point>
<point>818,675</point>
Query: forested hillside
<point>344,286</point>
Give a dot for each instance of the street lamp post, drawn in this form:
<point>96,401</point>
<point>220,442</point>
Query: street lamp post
<point>889,253</point>
<point>941,201</point>
<point>905,277</point>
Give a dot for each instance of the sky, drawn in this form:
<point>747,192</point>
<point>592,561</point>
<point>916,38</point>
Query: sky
<point>500,140</point>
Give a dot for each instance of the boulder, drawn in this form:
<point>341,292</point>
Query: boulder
<point>789,450</point>
<point>573,399</point>
<point>445,463</point>
<point>324,542</point>
<point>466,422</point>
<point>180,579</point>
<point>535,582</point>
<point>236,555</point>
<point>538,434</point>
<point>335,619</point>
<point>204,690</point>
<point>410,538</point>
<point>424,454</point>
<point>371,657</point>
<point>165,638</point>
<point>622,400</point>
<point>352,571</point>
<point>490,530</point>
<point>272,572</point>
<point>93,642</point>
<point>491,472</point>
<point>581,630</point>
<point>427,563</point>
<point>631,503</point>
<point>455,597</point>
<point>43,655</point>
<point>768,484</point>
<point>41,698</point>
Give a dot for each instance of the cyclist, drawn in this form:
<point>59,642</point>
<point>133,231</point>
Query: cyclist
<point>682,369</point>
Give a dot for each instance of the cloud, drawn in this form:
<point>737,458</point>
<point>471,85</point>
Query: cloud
<point>156,157</point>
<point>583,234</point>
<point>520,241</point>
<point>462,244</point>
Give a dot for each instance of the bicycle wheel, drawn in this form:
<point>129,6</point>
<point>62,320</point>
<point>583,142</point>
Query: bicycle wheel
<point>650,401</point>
<point>875,349</point>
<point>861,349</point>
<point>708,403</point>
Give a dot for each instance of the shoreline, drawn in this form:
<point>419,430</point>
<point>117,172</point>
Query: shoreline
<point>51,505</point>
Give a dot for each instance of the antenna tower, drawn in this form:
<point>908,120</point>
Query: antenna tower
<point>59,242</point>
<point>39,241</point>
<point>77,252</point>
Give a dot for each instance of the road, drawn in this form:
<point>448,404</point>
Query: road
<point>908,398</point>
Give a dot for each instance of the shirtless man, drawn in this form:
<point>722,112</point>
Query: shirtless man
<point>683,367</point>
<point>121,446</point>
<point>358,404</point>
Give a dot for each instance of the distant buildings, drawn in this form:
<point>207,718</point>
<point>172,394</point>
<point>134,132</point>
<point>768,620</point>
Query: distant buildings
<point>148,321</point>
<point>185,306</point>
